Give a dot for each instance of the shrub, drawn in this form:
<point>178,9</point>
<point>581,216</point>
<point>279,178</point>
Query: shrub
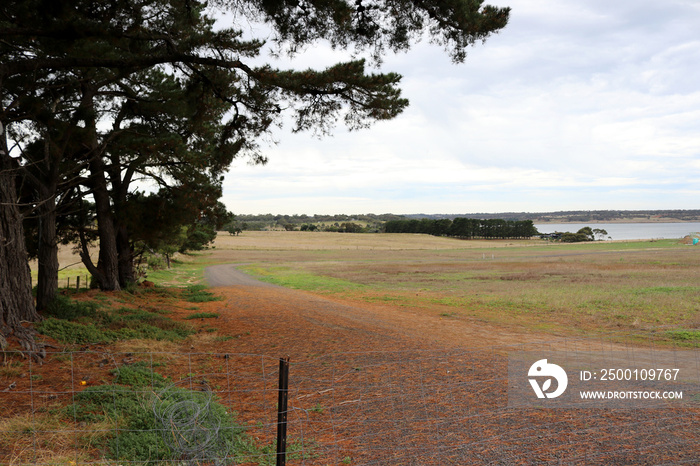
<point>155,261</point>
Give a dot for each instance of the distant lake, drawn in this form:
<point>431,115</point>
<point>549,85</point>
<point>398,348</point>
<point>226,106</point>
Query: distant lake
<point>627,230</point>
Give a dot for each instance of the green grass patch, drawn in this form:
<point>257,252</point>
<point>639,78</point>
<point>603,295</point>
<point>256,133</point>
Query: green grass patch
<point>74,333</point>
<point>184,271</point>
<point>157,290</point>
<point>685,337</point>
<point>103,327</point>
<point>153,422</point>
<point>203,315</point>
<point>607,246</point>
<point>665,289</point>
<point>385,299</point>
<point>198,294</point>
<point>62,307</point>
<point>301,280</point>
<point>139,374</point>
<point>11,369</point>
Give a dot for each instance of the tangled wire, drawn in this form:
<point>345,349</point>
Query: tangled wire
<point>191,429</point>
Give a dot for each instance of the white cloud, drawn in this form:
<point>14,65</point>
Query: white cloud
<point>575,105</point>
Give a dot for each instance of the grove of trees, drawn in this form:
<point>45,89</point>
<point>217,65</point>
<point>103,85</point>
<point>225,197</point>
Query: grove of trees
<point>583,234</point>
<point>464,227</point>
<point>100,98</point>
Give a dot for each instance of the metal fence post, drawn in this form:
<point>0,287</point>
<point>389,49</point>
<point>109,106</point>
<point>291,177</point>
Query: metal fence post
<point>282,412</point>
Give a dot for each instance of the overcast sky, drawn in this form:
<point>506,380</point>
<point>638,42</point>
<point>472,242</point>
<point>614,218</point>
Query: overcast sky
<point>575,105</point>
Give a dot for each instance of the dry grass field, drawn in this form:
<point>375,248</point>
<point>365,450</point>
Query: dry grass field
<point>622,286</point>
<point>398,345</point>
<point>70,266</point>
<point>301,240</point>
<point>628,287</point>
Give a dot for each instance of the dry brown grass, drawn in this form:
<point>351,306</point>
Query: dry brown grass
<point>68,258</point>
<point>45,438</point>
<point>302,240</point>
<point>626,286</point>
<point>145,346</point>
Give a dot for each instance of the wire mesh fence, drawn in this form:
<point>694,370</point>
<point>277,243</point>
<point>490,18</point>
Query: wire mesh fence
<point>372,408</point>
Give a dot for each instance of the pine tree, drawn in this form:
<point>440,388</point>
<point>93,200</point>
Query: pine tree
<point>102,62</point>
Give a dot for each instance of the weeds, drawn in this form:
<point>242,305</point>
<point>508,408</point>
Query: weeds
<point>317,408</point>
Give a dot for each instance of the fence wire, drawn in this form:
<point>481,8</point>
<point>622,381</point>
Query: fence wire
<point>373,408</point>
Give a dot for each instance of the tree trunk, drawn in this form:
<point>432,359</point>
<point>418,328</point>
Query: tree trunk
<point>16,302</point>
<point>120,180</point>
<point>108,262</point>
<point>47,282</point>
<point>126,257</point>
<point>107,275</point>
<point>47,255</point>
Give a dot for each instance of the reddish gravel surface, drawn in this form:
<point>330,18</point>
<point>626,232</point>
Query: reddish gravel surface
<point>369,385</point>
<point>310,324</point>
<point>381,385</point>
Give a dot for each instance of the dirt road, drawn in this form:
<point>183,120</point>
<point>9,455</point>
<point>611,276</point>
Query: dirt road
<point>380,385</point>
<point>309,320</point>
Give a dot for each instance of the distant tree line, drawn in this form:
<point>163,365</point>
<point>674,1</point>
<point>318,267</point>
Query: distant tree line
<point>464,227</point>
<point>235,227</point>
<point>299,219</point>
<point>360,223</point>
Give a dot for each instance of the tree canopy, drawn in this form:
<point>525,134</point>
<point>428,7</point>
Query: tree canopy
<point>97,97</point>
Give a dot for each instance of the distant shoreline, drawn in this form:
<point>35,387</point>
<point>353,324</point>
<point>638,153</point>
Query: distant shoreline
<point>621,220</point>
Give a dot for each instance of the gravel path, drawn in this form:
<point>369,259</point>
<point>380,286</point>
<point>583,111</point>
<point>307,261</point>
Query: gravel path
<point>388,385</point>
